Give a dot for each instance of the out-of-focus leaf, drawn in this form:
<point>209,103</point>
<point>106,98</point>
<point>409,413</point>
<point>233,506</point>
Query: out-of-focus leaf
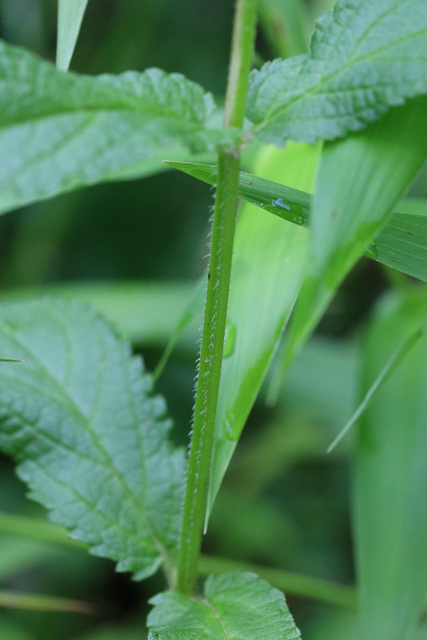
<point>192,310</point>
<point>70,16</point>
<point>234,605</point>
<point>286,25</point>
<point>89,437</point>
<point>401,244</point>
<point>33,602</point>
<point>10,631</point>
<point>18,555</point>
<point>143,312</point>
<point>63,131</point>
<point>364,58</point>
<point>116,633</point>
<point>390,366</point>
<point>358,183</point>
<point>268,264</point>
<point>391,478</point>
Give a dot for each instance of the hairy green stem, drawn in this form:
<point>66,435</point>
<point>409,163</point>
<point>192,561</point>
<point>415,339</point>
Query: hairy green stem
<point>211,352</point>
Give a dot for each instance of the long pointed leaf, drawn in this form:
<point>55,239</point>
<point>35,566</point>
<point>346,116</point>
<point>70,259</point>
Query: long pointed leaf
<point>401,244</point>
<point>70,16</point>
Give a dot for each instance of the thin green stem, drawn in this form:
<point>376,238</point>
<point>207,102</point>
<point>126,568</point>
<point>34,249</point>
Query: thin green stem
<point>211,352</point>
<point>37,530</point>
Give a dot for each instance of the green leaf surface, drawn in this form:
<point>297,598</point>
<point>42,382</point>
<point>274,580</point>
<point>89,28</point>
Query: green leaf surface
<point>70,16</point>
<point>391,477</point>
<point>89,437</point>
<point>365,57</point>
<point>358,183</point>
<point>268,266</point>
<point>401,244</point>
<point>63,131</point>
<point>235,606</point>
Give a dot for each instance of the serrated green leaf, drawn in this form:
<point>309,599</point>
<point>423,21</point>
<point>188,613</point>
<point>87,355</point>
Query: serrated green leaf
<point>63,131</point>
<point>269,257</point>
<point>89,437</point>
<point>391,477</point>
<point>358,183</point>
<point>364,58</point>
<point>235,606</point>
<point>70,16</point>
<point>401,244</point>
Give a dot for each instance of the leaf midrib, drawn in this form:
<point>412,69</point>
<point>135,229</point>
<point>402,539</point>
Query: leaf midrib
<point>146,109</point>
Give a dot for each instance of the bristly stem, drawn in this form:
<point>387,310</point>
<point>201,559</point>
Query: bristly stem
<point>211,352</point>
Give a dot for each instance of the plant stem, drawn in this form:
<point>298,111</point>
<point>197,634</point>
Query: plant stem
<point>223,227</point>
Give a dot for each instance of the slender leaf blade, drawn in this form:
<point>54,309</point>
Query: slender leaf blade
<point>235,605</point>
<point>63,131</point>
<point>89,437</point>
<point>269,257</point>
<point>70,16</point>
<point>365,57</point>
<point>401,244</point>
<point>390,476</point>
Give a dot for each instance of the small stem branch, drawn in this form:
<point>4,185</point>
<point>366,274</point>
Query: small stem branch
<point>223,227</point>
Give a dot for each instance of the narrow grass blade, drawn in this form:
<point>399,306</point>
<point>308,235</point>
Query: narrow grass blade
<point>401,244</point>
<point>41,530</point>
<point>390,477</point>
<point>43,603</point>
<point>70,16</point>
<point>391,365</point>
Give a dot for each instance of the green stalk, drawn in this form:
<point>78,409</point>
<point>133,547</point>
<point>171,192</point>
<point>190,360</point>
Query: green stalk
<point>211,352</point>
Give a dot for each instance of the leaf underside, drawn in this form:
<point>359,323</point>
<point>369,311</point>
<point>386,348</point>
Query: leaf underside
<point>89,437</point>
<point>235,606</point>
<point>63,131</point>
<point>401,244</point>
<point>365,57</point>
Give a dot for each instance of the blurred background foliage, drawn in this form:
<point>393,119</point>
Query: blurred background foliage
<point>284,503</point>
